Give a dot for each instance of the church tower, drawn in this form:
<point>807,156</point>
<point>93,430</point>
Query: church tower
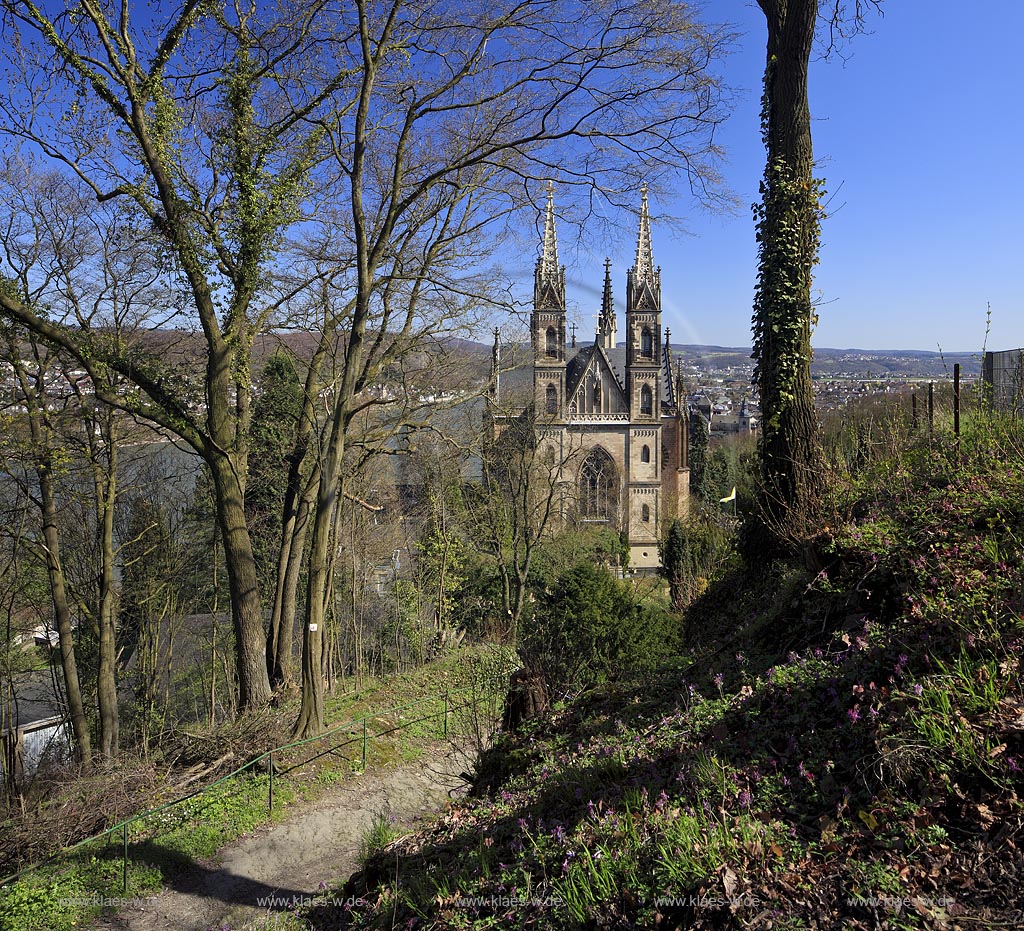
<point>643,513</point>
<point>643,326</point>
<point>547,324</point>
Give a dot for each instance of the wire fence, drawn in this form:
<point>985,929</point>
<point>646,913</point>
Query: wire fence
<point>357,731</point>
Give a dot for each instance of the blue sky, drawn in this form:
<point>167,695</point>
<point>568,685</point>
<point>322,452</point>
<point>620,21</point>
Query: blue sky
<point>920,139</point>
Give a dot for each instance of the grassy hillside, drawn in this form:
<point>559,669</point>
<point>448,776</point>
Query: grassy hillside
<point>841,749</point>
<point>69,886</point>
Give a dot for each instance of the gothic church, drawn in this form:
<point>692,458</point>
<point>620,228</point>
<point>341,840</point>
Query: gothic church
<point>611,414</point>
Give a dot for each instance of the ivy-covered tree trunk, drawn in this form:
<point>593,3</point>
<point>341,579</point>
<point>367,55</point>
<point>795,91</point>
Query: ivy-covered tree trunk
<point>788,237</point>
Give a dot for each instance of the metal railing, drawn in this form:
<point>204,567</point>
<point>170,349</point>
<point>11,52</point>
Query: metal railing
<point>362,735</point>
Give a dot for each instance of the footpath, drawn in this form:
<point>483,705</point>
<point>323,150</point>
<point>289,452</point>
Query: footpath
<point>292,863</point>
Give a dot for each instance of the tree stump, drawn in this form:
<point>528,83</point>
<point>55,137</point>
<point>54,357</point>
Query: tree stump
<point>526,698</point>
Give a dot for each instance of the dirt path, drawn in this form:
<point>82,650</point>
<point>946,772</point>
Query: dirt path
<point>289,860</point>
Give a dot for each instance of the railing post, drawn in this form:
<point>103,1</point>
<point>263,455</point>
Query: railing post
<point>446,712</point>
<point>124,874</point>
<point>364,743</point>
<point>271,770</point>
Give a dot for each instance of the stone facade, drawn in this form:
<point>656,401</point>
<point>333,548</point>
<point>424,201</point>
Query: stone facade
<point>607,415</point>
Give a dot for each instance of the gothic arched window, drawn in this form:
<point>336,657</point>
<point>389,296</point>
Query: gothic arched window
<point>646,343</point>
<point>645,454</point>
<point>551,399</point>
<point>645,514</point>
<point>646,400</point>
<point>599,487</point>
<point>551,342</point>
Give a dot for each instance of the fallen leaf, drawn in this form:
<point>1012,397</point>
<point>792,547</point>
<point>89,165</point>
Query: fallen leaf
<point>868,819</point>
<point>729,882</point>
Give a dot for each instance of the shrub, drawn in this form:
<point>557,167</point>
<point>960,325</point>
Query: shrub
<point>589,626</point>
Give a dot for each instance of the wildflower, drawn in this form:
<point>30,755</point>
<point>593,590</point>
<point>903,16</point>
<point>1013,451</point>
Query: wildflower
<point>719,680</point>
<point>745,799</point>
<point>853,714</point>
<point>918,688</point>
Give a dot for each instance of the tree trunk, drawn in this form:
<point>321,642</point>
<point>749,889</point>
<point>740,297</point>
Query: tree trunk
<point>299,494</point>
<point>250,639</point>
<point>62,614</point>
<point>784,314</point>
<point>281,636</point>
<point>106,673</point>
<point>311,712</point>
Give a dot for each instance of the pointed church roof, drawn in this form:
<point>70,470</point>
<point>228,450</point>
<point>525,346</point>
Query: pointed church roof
<point>549,286</point>
<point>643,270</point>
<point>594,358</point>
<point>548,263</point>
<point>644,279</point>
<point>606,326</point>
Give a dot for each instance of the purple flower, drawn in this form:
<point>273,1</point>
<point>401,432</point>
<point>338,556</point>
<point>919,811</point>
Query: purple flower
<point>745,799</point>
<point>918,688</point>
<point>853,714</point>
<point>719,680</point>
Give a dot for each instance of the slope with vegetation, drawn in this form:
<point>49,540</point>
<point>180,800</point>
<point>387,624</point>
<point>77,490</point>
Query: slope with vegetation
<point>841,747</point>
<point>451,700</point>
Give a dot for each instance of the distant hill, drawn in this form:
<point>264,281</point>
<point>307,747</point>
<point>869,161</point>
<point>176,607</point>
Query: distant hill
<point>868,363</point>
<point>476,356</point>
<point>859,363</point>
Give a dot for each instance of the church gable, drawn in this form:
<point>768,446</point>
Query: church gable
<point>644,298</point>
<point>595,388</point>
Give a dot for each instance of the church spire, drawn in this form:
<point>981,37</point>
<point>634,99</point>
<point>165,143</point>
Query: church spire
<point>606,321</point>
<point>549,255</point>
<point>549,285</point>
<point>644,268</point>
<point>643,281</point>
<point>495,382</point>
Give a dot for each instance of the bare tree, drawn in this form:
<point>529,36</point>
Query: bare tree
<point>426,123</point>
<point>201,123</point>
<point>457,111</point>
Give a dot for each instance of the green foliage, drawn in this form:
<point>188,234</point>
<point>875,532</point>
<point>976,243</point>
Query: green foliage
<point>788,222</point>
<point>272,436</point>
<point>560,552</point>
<point>378,835</point>
<point>694,553</point>
<point>443,556</point>
<point>700,439</point>
<point>591,626</point>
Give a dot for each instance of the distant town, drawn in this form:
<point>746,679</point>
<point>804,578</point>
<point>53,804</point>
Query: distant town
<point>719,379</point>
